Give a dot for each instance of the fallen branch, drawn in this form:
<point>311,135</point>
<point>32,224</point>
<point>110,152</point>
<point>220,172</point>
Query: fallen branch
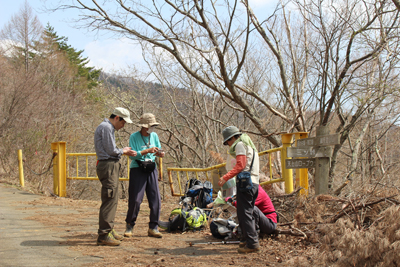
<point>394,201</point>
<point>300,223</point>
<point>340,188</point>
<point>191,244</point>
<point>377,220</point>
<point>356,207</point>
<point>286,224</point>
<point>330,198</point>
<point>291,232</point>
<point>294,193</point>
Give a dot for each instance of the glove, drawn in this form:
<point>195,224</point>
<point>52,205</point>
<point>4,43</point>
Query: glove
<point>228,199</point>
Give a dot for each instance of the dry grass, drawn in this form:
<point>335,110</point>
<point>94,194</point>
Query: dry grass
<point>359,231</point>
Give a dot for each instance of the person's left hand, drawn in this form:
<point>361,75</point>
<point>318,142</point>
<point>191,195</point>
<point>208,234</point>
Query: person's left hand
<point>221,181</point>
<point>160,153</point>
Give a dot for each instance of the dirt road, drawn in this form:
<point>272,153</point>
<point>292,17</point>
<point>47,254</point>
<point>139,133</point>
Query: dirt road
<point>26,242</point>
<point>52,231</point>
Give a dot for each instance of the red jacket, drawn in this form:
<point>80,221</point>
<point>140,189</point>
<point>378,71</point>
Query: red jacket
<point>264,203</point>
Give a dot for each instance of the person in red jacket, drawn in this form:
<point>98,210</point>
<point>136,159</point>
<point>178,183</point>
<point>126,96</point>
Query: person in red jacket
<point>264,212</point>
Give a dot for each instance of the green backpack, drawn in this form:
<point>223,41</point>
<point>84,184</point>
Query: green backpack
<point>187,219</point>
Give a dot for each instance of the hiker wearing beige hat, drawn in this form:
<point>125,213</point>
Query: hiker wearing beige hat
<point>143,175</point>
<point>107,169</point>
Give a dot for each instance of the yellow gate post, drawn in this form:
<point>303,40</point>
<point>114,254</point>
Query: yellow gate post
<point>287,174</point>
<point>301,174</point>
<point>60,168</point>
<point>21,168</point>
<point>160,170</point>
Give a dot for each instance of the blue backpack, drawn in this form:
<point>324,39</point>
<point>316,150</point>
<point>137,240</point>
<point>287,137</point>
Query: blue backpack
<point>200,193</point>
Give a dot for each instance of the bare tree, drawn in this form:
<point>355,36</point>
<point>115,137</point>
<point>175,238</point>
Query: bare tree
<point>397,4</point>
<point>24,30</point>
<point>346,37</point>
<point>38,106</point>
<point>210,46</point>
<point>303,67</point>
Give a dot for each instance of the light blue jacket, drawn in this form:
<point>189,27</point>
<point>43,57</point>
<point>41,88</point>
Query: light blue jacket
<point>138,143</point>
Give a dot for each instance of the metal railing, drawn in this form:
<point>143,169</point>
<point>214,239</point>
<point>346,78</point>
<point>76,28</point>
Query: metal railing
<point>61,172</point>
<point>204,172</point>
<point>213,173</point>
<point>87,177</point>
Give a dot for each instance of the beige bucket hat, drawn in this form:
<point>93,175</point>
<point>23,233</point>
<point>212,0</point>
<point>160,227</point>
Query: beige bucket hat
<point>147,120</point>
<point>123,113</point>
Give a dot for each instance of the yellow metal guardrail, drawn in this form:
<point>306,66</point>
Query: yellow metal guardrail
<point>87,177</point>
<point>61,172</point>
<point>196,171</point>
<point>204,173</point>
<point>218,170</point>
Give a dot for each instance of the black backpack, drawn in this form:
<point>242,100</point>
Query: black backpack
<point>200,193</point>
<point>205,196</point>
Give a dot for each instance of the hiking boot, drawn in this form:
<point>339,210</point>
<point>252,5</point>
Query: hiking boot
<point>129,230</point>
<point>117,236</point>
<point>246,249</point>
<point>107,240</point>
<point>242,244</point>
<point>154,233</point>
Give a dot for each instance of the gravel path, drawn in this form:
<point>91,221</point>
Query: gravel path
<point>26,242</point>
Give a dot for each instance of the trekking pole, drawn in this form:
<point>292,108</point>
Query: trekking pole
<point>215,243</point>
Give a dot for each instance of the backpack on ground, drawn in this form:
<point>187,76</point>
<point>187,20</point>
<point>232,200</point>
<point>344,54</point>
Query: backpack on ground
<point>185,218</point>
<point>205,196</point>
<point>200,194</point>
<point>191,183</point>
<point>224,228</point>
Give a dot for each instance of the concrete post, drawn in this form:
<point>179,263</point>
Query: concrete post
<point>322,167</point>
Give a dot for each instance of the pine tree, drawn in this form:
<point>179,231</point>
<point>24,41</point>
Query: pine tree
<point>74,56</point>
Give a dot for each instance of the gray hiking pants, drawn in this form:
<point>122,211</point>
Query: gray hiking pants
<point>245,213</point>
<point>264,224</point>
<point>108,173</point>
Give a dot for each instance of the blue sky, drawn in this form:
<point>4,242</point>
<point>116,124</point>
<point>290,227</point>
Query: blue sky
<point>103,51</point>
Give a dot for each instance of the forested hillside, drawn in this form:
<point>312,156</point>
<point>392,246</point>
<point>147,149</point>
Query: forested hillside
<point>47,94</point>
